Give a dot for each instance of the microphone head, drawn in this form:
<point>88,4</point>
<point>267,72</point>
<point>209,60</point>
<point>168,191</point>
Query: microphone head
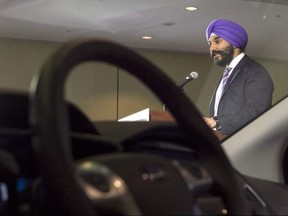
<point>194,74</point>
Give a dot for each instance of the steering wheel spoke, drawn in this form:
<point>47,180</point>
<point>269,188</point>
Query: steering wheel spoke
<point>105,189</point>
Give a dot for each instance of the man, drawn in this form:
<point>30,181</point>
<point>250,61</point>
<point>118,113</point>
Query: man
<point>246,90</point>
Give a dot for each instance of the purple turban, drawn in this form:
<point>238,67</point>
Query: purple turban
<point>229,31</point>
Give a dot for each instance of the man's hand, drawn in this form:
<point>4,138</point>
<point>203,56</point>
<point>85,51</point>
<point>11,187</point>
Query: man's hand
<point>210,122</point>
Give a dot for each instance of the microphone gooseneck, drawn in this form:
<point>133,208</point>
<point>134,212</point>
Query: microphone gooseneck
<point>193,75</point>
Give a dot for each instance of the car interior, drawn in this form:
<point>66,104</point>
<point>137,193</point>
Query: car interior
<point>48,151</point>
<point>57,160</point>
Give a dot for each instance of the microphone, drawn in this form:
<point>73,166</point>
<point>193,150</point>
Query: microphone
<point>193,75</point>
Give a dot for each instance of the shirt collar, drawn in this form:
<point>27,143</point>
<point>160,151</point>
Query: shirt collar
<point>236,60</point>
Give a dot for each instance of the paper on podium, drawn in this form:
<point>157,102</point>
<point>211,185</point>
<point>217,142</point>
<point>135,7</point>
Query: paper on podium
<point>143,115</point>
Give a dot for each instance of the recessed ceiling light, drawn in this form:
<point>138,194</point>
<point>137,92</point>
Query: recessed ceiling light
<point>168,23</point>
<point>191,8</point>
<point>147,37</point>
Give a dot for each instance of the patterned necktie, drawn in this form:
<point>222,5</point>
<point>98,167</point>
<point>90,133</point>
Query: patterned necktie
<point>225,77</point>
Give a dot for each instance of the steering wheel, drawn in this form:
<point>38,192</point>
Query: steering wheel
<point>118,173</point>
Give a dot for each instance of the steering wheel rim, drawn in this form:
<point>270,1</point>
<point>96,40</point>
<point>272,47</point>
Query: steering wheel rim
<point>49,118</point>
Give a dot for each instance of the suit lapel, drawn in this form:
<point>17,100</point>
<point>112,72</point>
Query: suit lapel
<point>230,80</point>
<point>234,73</point>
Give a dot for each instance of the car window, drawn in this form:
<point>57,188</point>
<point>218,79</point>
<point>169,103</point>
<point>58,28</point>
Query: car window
<point>32,30</point>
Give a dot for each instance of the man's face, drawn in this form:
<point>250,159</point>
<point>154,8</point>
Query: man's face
<point>221,51</point>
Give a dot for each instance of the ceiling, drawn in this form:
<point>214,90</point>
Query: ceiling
<point>125,21</point>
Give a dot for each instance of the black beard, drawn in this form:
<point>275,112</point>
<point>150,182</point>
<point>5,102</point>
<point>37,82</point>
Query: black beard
<point>227,56</point>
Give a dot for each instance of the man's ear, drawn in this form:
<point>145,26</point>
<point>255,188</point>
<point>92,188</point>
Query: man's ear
<point>237,50</point>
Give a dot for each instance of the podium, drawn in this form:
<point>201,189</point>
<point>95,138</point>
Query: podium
<point>158,115</point>
<point>149,115</point>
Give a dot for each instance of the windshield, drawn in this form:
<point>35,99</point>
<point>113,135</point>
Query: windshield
<point>177,44</point>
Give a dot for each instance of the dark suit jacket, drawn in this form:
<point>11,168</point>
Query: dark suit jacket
<point>247,94</point>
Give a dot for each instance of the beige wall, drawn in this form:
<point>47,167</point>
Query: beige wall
<point>93,86</point>
<point>133,95</point>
